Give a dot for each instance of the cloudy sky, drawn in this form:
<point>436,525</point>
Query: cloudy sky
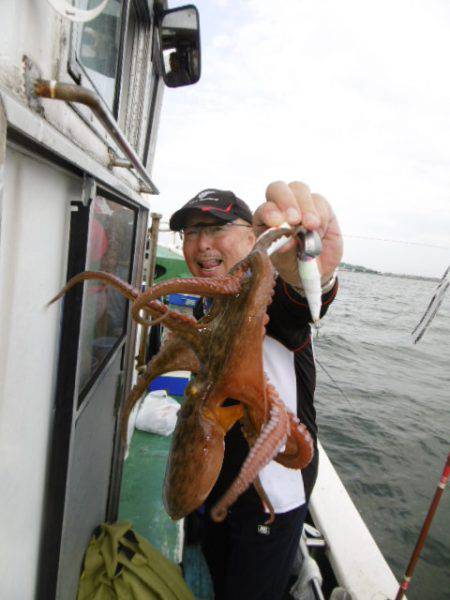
<point>350,96</point>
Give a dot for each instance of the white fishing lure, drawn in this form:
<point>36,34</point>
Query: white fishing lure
<point>310,278</point>
<point>310,247</point>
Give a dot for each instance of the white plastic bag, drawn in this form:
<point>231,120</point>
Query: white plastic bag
<point>157,413</point>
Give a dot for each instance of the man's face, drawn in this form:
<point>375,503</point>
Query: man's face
<point>209,255</point>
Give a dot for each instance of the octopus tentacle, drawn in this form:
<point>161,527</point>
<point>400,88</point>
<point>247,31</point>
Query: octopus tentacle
<point>299,450</point>
<point>273,435</point>
<point>124,288</point>
<point>228,285</point>
<point>240,269</point>
<point>158,309</point>
<point>266,239</point>
<point>152,322</point>
<point>170,316</point>
<point>187,328</point>
<point>173,320</point>
<point>175,356</point>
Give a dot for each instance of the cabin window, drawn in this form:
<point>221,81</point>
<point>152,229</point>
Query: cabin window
<point>112,54</point>
<point>104,316</point>
<point>99,46</point>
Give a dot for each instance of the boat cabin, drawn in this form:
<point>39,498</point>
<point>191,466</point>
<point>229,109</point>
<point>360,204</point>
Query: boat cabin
<point>81,88</point>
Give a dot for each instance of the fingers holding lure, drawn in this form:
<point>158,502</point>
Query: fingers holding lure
<point>308,247</point>
<point>295,205</point>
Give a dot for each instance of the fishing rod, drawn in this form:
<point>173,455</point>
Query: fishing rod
<point>424,533</point>
<point>432,307</point>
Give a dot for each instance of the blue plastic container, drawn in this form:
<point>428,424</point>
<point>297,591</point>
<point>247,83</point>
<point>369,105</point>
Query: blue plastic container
<point>174,386</point>
<point>182,300</point>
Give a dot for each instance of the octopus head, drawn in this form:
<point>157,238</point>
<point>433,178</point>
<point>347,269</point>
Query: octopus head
<point>194,462</point>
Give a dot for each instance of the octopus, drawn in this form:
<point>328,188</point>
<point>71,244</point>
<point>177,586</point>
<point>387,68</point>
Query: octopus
<point>224,352</point>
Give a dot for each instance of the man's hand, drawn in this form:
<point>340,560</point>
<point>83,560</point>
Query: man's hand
<point>296,205</point>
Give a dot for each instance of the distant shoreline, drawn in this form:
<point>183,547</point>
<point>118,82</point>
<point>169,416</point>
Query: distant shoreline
<point>360,269</point>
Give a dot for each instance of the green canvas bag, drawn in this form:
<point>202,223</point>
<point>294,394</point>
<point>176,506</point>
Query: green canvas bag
<point>122,565</point>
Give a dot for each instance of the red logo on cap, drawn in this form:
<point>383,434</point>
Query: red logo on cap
<point>209,208</point>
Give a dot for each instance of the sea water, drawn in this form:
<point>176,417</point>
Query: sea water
<point>388,433</point>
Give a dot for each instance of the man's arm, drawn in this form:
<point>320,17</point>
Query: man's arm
<point>290,316</point>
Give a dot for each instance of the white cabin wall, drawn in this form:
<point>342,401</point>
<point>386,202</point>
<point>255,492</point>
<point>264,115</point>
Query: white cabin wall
<point>33,261</point>
<point>34,234</point>
<point>10,75</point>
<point>27,27</point>
<point>32,28</point>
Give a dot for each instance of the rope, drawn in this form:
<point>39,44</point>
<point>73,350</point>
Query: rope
<point>337,386</point>
<point>366,237</point>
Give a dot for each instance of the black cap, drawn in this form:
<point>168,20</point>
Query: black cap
<point>224,205</point>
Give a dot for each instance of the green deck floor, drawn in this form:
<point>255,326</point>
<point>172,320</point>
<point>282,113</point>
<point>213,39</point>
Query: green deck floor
<point>141,503</point>
<point>141,493</point>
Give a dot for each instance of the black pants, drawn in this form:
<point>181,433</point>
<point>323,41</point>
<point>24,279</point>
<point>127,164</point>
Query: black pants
<point>248,560</point>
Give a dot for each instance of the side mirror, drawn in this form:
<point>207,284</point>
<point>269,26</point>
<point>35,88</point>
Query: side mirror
<point>179,43</point>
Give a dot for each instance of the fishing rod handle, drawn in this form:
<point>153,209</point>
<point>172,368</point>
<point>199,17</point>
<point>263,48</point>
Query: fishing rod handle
<point>424,532</point>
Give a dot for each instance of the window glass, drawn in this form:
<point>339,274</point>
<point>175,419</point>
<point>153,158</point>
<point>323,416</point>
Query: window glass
<point>99,47</point>
<point>110,249</point>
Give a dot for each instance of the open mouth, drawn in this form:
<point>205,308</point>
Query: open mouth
<point>209,265</point>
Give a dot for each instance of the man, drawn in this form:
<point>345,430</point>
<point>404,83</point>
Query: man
<point>247,558</point>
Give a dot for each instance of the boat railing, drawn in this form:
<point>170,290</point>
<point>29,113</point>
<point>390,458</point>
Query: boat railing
<point>68,92</point>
